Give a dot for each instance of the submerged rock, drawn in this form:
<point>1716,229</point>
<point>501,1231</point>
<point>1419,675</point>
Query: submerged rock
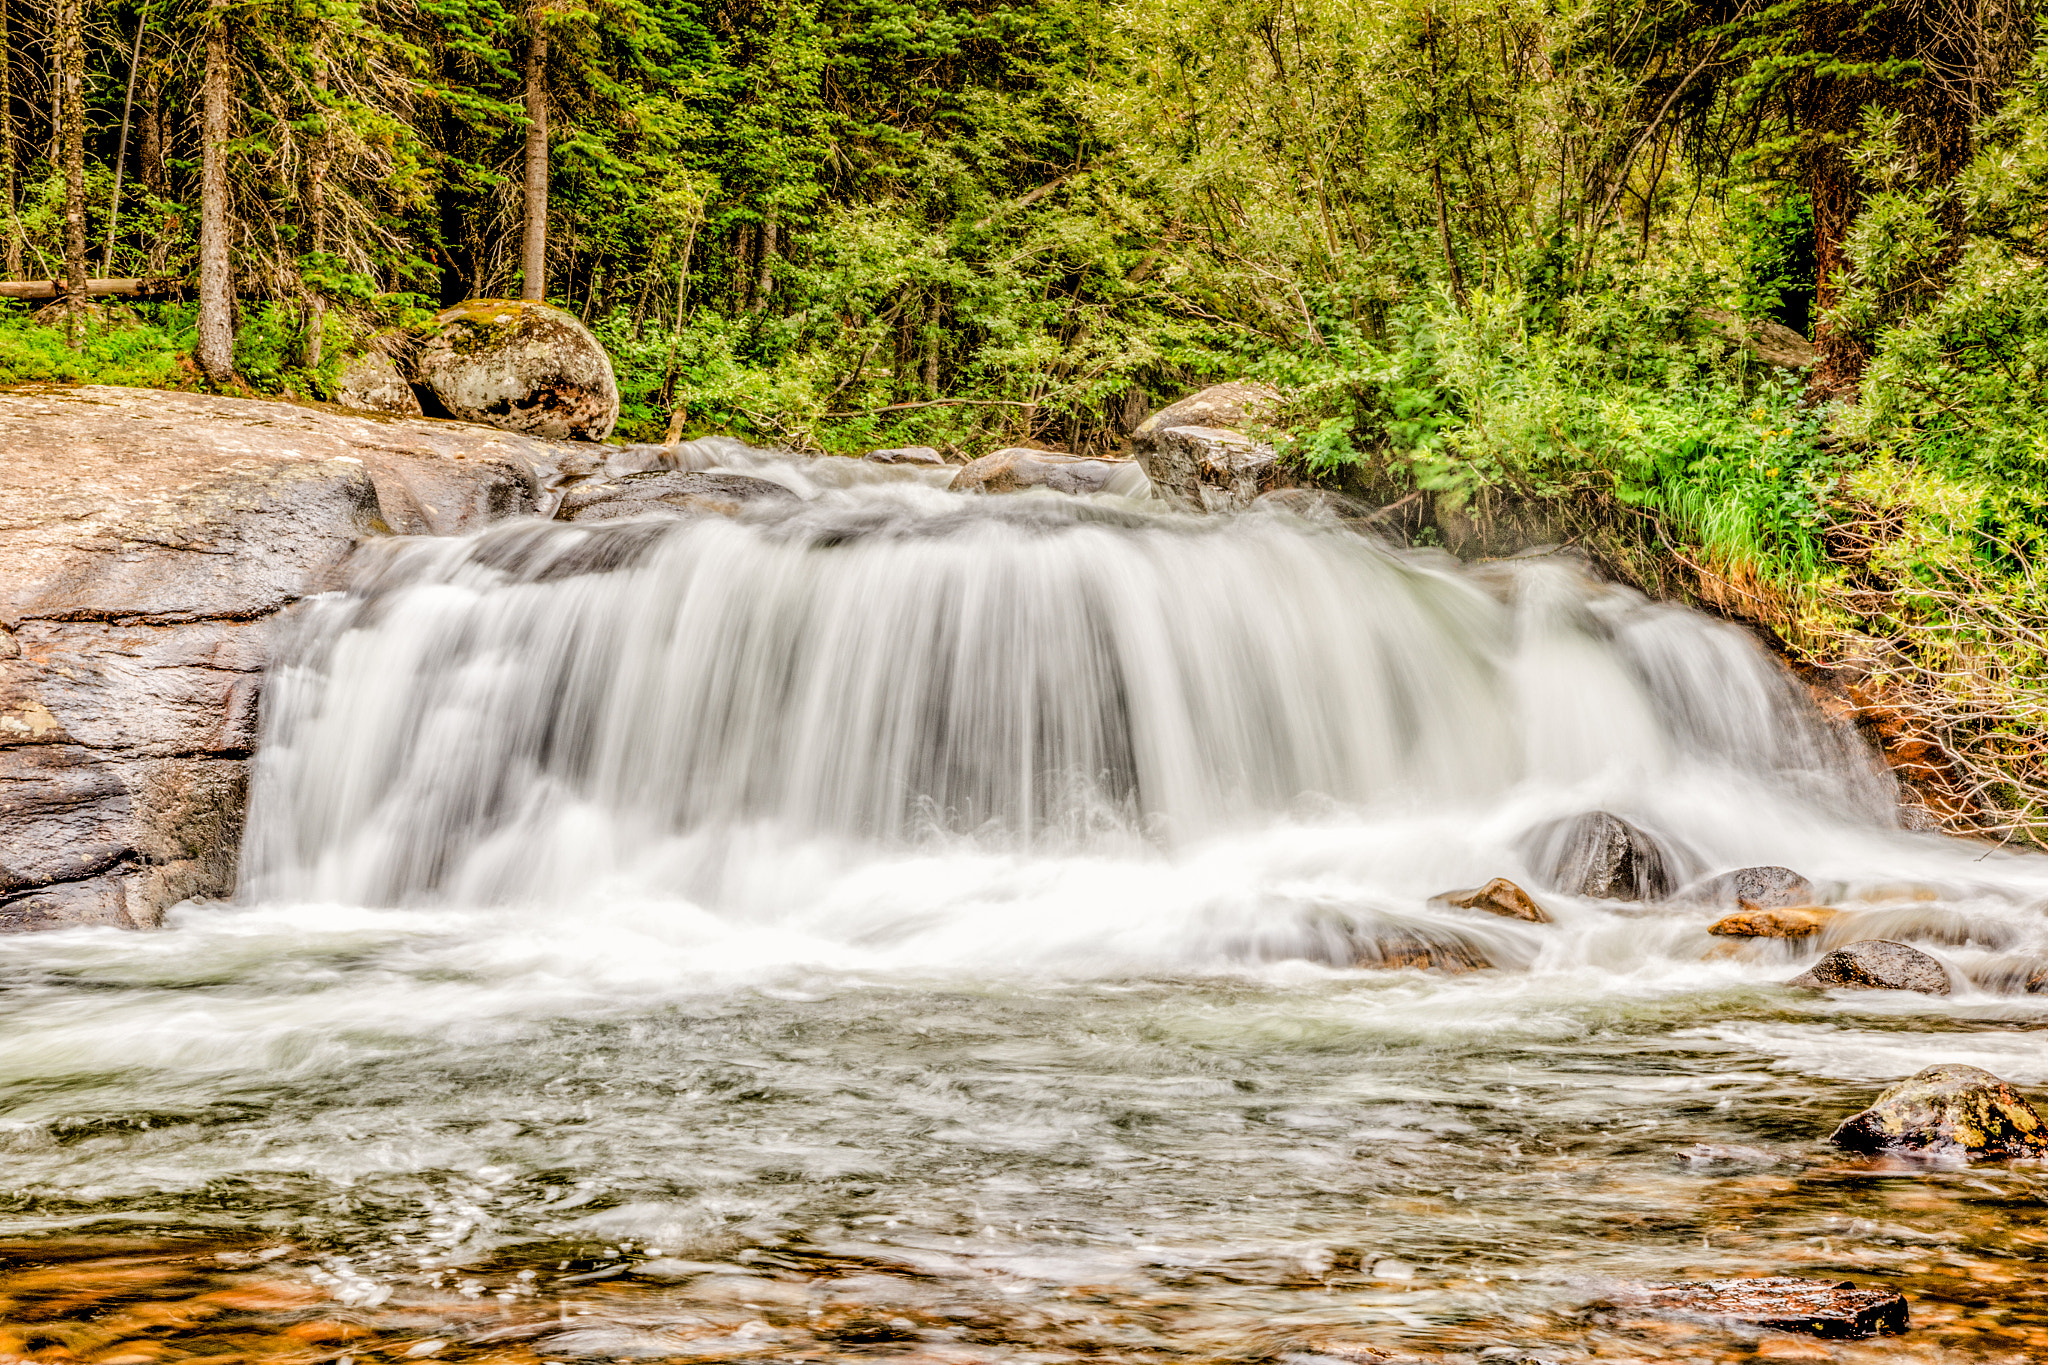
<point>1754,921</point>
<point>671,493</point>
<point>372,383</point>
<point>1499,897</point>
<point>520,366</point>
<point>1394,949</point>
<point>1948,1108</point>
<point>1602,856</point>
<point>1876,965</point>
<point>1772,888</point>
<point>1015,468</point>
<point>1835,1309</point>
<point>921,455</point>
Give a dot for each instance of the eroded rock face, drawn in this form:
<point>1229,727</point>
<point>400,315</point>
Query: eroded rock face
<point>1602,856</point>
<point>520,366</point>
<point>1948,1109</point>
<point>372,383</point>
<point>1499,897</point>
<point>145,540</point>
<point>1211,468</point>
<point>669,493</point>
<point>1014,469</point>
<point>1876,965</point>
<point>1769,887</point>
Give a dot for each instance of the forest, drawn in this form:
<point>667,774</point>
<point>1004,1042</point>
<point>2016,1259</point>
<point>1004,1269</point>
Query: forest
<point>1502,257</point>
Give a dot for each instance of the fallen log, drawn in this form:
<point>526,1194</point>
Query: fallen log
<point>50,289</point>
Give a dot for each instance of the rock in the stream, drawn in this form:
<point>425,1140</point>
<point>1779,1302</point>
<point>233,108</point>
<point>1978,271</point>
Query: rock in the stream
<point>1232,405</point>
<point>1772,888</point>
<point>1876,965</point>
<point>920,455</point>
<point>1394,949</point>
<point>372,383</point>
<point>521,366</point>
<point>1499,897</point>
<point>668,493</point>
<point>148,539</point>
<point>1210,468</point>
<point>1832,1309</point>
<point>1948,1109</point>
<point>1754,921</point>
<point>1014,469</point>
<point>1602,856</point>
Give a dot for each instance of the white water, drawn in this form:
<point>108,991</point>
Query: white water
<point>913,844</point>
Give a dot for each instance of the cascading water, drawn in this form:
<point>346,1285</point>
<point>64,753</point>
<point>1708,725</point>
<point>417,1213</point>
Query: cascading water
<point>969,909</point>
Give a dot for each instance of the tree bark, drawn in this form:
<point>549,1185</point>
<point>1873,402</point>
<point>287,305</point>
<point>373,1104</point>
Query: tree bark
<point>933,309</point>
<point>317,157</point>
<point>764,280</point>
<point>533,254</point>
<point>121,148</point>
<point>743,273</point>
<point>215,351</point>
<point>149,149</point>
<point>7,176</point>
<point>675,337</point>
<point>71,59</point>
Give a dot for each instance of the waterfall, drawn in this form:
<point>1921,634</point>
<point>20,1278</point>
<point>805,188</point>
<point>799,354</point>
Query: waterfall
<point>889,665</point>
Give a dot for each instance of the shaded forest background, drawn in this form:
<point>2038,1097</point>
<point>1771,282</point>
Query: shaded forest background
<point>1492,252</point>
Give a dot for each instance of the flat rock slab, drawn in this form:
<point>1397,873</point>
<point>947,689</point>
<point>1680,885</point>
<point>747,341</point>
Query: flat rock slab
<point>146,540</point>
<point>1819,1308</point>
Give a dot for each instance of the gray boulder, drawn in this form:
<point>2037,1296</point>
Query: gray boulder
<point>372,383</point>
<point>1015,468</point>
<point>919,455</point>
<point>1948,1109</point>
<point>150,540</point>
<point>1601,856</point>
<point>1875,965</point>
<point>1213,469</point>
<point>668,493</point>
<point>1767,888</point>
<point>1232,406</point>
<point>521,366</point>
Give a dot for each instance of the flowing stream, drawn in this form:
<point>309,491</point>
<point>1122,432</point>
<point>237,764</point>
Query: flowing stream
<point>898,923</point>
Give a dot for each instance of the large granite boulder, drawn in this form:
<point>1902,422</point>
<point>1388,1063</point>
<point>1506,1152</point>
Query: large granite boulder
<point>1196,453</point>
<point>1956,1109</point>
<point>148,539</point>
<point>1211,468</point>
<point>1876,965</point>
<point>521,366</point>
<point>1601,856</point>
<point>1015,469</point>
<point>372,382</point>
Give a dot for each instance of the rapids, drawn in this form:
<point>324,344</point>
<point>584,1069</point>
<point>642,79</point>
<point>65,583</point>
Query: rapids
<point>978,888</point>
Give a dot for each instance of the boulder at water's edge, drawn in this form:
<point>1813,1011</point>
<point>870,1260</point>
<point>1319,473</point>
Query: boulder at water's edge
<point>521,366</point>
<point>1016,468</point>
<point>1876,965</point>
<point>1952,1108</point>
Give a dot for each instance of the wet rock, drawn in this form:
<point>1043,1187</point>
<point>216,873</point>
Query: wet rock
<point>521,366</point>
<point>1754,921</point>
<point>372,383</point>
<point>1772,888</point>
<point>1948,1109</point>
<point>149,539</point>
<point>1876,965</point>
<point>670,493</point>
<point>1232,405</point>
<point>1499,897</point>
<point>1836,1310</point>
<point>1212,469</point>
<point>1015,469</point>
<point>921,455</point>
<point>1394,949</point>
<point>1601,856</point>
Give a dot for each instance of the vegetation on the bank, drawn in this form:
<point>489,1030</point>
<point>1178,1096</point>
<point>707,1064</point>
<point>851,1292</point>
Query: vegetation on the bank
<point>1471,241</point>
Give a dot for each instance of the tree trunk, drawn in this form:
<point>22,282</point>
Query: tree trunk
<point>71,58</point>
<point>149,149</point>
<point>8,202</point>
<point>533,254</point>
<point>743,273</point>
<point>668,373</point>
<point>317,157</point>
<point>931,346</point>
<point>216,349</point>
<point>764,281</point>
<point>121,147</point>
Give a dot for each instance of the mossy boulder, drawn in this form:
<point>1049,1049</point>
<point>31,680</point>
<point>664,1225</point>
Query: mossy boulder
<point>1953,1109</point>
<point>520,366</point>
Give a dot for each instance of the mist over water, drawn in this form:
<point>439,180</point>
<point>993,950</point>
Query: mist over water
<point>997,879</point>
